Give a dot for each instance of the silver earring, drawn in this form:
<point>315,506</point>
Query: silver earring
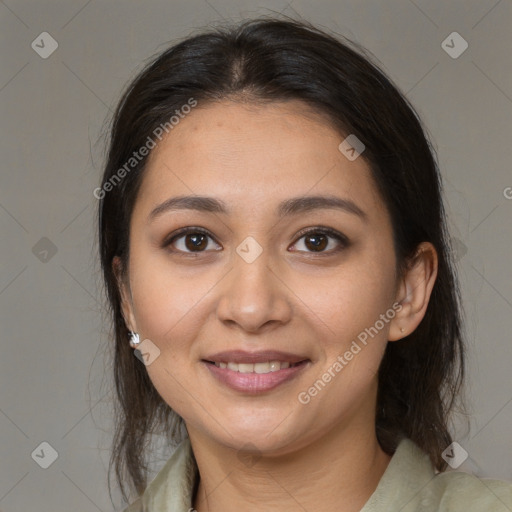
<point>134,339</point>
<point>402,329</point>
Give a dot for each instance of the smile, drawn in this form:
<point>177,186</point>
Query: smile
<point>253,374</point>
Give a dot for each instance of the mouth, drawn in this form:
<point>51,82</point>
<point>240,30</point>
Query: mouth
<point>257,372</point>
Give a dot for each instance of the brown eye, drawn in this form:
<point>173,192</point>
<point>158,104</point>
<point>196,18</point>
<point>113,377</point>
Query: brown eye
<point>325,240</point>
<point>196,241</point>
<point>191,240</point>
<point>316,242</point>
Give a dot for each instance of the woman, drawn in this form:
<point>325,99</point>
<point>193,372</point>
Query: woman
<point>274,250</point>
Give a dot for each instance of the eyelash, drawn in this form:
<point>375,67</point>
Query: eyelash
<point>342,239</point>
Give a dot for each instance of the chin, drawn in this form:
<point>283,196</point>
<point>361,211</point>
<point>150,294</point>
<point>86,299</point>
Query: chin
<point>263,437</point>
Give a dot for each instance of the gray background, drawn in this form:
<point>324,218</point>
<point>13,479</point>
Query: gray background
<point>54,340</point>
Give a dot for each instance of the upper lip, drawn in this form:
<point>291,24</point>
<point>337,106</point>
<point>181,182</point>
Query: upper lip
<point>262,356</point>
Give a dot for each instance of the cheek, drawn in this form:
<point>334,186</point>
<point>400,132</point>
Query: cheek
<point>167,302</point>
<point>171,306</point>
<point>351,306</point>
<point>356,339</point>
<point>353,298</point>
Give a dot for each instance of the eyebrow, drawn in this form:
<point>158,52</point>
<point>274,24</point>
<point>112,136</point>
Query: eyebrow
<point>288,207</point>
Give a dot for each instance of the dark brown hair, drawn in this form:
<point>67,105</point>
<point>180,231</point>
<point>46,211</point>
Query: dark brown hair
<point>274,60</point>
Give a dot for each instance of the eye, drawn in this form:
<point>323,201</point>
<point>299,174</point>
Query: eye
<point>190,240</point>
<point>317,240</point>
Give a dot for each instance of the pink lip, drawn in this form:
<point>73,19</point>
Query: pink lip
<point>254,383</point>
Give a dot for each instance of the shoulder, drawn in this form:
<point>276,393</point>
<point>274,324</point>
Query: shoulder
<point>410,484</point>
<point>455,490</point>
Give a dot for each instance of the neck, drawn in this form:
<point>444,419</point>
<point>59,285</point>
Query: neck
<point>337,472</point>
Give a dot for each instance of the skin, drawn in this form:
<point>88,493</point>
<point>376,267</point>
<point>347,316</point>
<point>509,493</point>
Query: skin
<point>323,455</point>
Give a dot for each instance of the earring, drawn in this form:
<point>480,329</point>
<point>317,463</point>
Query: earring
<point>402,329</point>
<point>134,339</point>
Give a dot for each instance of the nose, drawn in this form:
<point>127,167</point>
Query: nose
<point>253,297</point>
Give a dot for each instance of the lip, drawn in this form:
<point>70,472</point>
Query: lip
<point>255,383</point>
<point>241,356</point>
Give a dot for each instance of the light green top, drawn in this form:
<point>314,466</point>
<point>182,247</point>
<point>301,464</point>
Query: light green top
<point>409,484</point>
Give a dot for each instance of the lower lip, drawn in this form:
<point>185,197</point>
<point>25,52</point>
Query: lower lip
<point>254,383</point>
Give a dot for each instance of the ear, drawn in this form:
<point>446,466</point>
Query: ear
<point>414,292</point>
<point>126,295</point>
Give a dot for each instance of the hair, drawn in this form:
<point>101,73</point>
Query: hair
<point>272,60</point>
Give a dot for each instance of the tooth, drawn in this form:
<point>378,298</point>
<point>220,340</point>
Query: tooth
<point>266,367</point>
<point>245,368</point>
<point>262,367</point>
<point>275,366</point>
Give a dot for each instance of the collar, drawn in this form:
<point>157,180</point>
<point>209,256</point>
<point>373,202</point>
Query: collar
<point>408,472</point>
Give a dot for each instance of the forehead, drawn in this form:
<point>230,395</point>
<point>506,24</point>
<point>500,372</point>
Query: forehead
<point>252,154</point>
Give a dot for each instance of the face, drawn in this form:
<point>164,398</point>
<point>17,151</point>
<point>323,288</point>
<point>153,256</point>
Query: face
<point>289,262</point>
